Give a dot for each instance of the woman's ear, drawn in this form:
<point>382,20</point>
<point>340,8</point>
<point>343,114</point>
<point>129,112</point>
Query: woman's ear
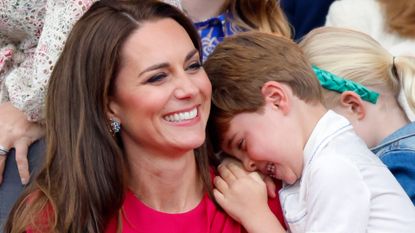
<point>353,103</point>
<point>275,93</point>
<point>112,109</point>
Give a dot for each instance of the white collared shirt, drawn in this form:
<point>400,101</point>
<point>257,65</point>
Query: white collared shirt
<point>344,187</point>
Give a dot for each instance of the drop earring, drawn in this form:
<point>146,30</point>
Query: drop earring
<point>115,126</point>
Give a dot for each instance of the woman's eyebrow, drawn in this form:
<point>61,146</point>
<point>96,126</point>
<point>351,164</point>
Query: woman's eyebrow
<point>155,67</point>
<point>190,54</point>
<point>165,64</point>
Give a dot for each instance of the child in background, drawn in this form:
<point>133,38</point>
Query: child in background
<point>218,19</point>
<point>267,112</point>
<point>384,125</point>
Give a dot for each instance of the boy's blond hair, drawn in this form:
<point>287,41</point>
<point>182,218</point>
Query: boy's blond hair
<point>242,64</point>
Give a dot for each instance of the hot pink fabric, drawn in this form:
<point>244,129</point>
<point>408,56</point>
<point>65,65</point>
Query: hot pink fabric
<point>204,218</point>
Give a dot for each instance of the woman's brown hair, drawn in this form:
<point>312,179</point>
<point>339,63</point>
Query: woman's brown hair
<point>81,185</point>
<point>400,16</point>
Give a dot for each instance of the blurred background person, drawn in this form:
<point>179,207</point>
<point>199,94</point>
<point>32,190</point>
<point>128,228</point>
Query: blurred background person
<point>391,23</point>
<point>218,19</point>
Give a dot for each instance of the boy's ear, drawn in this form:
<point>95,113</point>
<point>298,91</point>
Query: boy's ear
<point>276,94</point>
<point>353,103</point>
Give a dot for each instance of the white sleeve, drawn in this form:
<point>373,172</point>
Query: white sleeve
<point>31,86</point>
<point>352,14</point>
<point>338,199</point>
<point>6,63</point>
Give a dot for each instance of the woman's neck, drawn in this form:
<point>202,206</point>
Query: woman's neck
<point>200,10</point>
<point>167,184</point>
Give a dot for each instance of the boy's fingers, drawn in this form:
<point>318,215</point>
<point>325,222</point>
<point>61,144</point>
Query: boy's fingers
<point>219,197</point>
<point>226,174</point>
<point>271,187</point>
<point>230,160</point>
<point>236,170</point>
<point>256,177</point>
<point>220,184</point>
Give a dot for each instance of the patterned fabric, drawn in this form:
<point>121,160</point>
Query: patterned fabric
<point>214,30</point>
<point>32,36</point>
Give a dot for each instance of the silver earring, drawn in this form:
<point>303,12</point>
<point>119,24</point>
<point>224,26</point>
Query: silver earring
<point>115,126</point>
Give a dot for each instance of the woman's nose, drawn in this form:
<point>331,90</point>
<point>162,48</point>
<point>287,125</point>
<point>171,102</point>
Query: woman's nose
<point>186,88</point>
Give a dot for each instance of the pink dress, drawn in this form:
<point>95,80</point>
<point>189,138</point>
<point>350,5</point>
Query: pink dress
<point>204,218</point>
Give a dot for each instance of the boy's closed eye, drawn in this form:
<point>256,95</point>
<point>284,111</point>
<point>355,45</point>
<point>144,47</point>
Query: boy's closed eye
<point>241,144</point>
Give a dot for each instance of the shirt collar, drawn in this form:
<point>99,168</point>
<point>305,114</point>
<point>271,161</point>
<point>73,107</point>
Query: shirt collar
<point>329,126</point>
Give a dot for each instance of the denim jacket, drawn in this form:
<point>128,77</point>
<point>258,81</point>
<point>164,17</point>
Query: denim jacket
<point>397,152</point>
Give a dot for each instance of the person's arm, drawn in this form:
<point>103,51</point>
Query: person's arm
<point>27,84</point>
<point>338,199</point>
<point>58,22</point>
<point>244,197</point>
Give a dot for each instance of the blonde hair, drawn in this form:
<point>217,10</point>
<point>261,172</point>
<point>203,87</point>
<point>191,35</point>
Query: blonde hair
<point>400,16</point>
<point>261,15</point>
<point>356,56</point>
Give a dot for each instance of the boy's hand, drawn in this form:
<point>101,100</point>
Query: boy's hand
<point>269,182</point>
<point>243,195</point>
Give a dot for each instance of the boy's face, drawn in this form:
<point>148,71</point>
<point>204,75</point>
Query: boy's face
<point>266,141</point>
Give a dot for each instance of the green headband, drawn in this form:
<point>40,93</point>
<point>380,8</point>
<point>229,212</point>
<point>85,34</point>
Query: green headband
<point>335,83</point>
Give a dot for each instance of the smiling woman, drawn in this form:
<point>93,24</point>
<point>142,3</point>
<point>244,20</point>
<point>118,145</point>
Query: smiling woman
<point>127,110</point>
<point>155,95</point>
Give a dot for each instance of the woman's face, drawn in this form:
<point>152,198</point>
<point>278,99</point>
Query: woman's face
<point>162,94</point>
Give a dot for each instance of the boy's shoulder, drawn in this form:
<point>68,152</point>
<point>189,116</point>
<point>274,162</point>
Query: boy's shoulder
<point>330,166</point>
<point>348,146</point>
<point>334,137</point>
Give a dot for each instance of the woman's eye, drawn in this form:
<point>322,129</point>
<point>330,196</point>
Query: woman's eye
<point>194,66</point>
<point>156,78</point>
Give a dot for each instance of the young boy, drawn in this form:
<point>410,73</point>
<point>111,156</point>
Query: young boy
<point>267,112</point>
